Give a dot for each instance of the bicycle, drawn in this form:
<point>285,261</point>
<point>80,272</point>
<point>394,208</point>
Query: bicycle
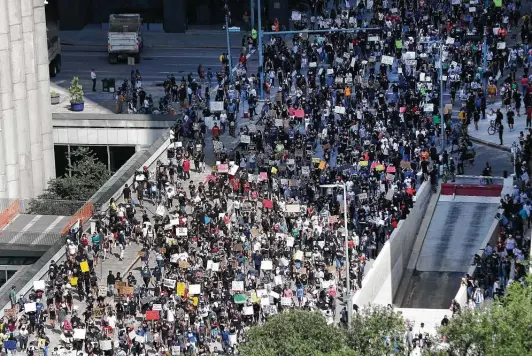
<point>492,128</point>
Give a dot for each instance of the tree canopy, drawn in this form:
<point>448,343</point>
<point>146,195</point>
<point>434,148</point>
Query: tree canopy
<point>301,333</point>
<point>66,194</point>
<point>502,328</point>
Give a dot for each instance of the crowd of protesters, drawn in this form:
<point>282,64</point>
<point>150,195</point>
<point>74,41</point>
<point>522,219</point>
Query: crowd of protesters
<point>345,112</point>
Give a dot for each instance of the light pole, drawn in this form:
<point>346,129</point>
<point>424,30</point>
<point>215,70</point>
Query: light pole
<point>252,10</point>
<point>349,295</point>
<point>228,43</point>
<point>261,57</point>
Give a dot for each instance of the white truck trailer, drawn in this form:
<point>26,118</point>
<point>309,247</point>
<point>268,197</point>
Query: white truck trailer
<point>125,37</point>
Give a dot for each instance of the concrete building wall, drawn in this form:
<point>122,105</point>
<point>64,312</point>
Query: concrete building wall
<point>26,133</point>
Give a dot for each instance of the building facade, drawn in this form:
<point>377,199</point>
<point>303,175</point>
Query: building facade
<point>26,132</point>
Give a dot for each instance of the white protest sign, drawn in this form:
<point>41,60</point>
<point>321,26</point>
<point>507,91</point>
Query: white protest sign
<point>215,267</point>
<point>169,283</point>
<point>298,256</point>
<point>79,334</point>
<point>265,301</point>
<point>330,71</point>
<point>278,280</point>
<point>292,208</point>
<point>266,265</point>
<point>194,289</point>
<point>410,55</point>
<point>305,170</point>
<point>353,62</point>
<point>39,285</point>
<point>312,65</point>
<point>217,105</point>
<point>290,241</point>
<point>158,307</point>
<point>30,307</point>
<point>339,110</point>
<point>286,301</point>
<point>274,295</point>
<point>181,231</point>
<point>429,107</point>
<point>279,122</point>
<point>237,286</point>
<point>245,139</point>
<point>296,16</point>
<point>501,45</point>
<point>362,196</point>
<point>450,40</point>
<point>248,310</point>
<point>106,345</point>
<point>387,60</point>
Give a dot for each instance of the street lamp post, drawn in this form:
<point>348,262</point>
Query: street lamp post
<point>259,44</point>
<point>228,44</point>
<point>252,10</point>
<point>349,295</point>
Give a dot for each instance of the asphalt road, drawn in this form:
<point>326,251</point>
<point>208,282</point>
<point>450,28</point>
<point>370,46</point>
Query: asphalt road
<point>499,160</point>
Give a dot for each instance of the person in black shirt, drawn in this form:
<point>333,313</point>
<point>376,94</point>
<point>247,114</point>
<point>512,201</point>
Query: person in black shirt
<point>126,192</point>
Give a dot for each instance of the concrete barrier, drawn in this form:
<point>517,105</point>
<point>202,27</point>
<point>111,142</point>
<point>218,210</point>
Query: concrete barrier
<point>382,281</point>
<point>491,238</point>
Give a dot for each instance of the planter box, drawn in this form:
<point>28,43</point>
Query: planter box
<point>55,100</point>
<point>77,107</point>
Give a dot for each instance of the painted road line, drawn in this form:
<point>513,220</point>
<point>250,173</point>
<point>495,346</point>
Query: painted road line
<point>24,229</point>
<point>47,230</point>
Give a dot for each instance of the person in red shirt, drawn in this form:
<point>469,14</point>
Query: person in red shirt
<point>216,131</point>
<point>186,168</point>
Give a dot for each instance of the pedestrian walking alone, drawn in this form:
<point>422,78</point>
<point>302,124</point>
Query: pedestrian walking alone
<point>93,77</point>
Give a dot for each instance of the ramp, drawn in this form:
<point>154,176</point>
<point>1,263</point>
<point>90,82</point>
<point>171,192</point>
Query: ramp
<point>457,230</point>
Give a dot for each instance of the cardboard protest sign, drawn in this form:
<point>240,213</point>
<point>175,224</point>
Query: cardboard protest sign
<point>10,313</point>
<point>126,290</point>
<point>184,264</point>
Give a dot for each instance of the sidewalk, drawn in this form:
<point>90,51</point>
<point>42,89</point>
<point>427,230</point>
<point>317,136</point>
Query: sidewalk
<point>94,37</point>
<point>509,137</point>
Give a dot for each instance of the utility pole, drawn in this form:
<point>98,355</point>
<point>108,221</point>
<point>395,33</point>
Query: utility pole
<point>227,14</point>
<point>485,51</point>
<point>261,57</point>
<point>252,8</point>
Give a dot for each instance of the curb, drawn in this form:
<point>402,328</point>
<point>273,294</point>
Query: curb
<point>490,144</point>
<point>103,49</point>
<point>131,265</point>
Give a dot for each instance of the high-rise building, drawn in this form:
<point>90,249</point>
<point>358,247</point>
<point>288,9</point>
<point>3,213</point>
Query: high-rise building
<point>26,134</point>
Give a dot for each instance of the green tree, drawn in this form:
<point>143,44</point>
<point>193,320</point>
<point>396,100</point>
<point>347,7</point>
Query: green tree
<point>502,328</point>
<point>376,330</point>
<point>296,333</point>
<point>66,194</point>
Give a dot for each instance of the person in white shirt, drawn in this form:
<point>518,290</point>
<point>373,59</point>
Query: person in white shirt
<point>93,78</point>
